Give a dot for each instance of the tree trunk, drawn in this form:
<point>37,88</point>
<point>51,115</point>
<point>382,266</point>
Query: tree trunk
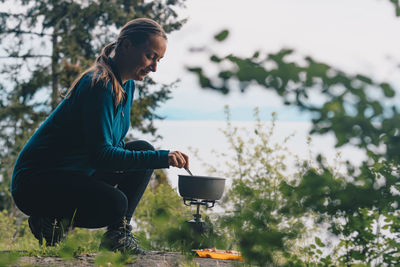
<point>54,70</point>
<point>54,65</point>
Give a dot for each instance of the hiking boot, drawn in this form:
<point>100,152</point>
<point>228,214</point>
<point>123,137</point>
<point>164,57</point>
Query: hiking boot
<point>121,239</point>
<point>51,229</point>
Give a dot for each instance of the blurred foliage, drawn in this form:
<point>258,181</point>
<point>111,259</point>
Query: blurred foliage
<point>15,235</point>
<point>396,4</point>
<point>8,259</point>
<point>183,237</point>
<point>159,209</point>
<point>362,213</point>
<point>360,206</point>
<point>349,106</point>
<point>222,35</point>
<point>45,45</point>
<point>311,217</point>
<point>117,259</point>
<point>258,219</point>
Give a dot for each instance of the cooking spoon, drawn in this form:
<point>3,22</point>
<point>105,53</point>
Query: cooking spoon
<point>189,171</point>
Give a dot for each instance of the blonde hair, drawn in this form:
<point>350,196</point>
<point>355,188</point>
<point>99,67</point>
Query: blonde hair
<point>138,31</point>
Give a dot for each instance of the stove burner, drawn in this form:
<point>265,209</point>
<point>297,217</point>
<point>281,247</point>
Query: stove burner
<point>197,223</point>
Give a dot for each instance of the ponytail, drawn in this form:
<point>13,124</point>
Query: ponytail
<point>102,72</point>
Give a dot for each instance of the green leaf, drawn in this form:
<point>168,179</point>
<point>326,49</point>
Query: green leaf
<point>387,90</point>
<point>319,242</point>
<point>214,58</point>
<point>8,259</point>
<point>222,35</point>
<point>364,79</point>
<point>225,74</point>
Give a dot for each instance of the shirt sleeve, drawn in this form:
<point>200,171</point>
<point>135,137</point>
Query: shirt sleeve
<point>98,117</point>
<point>121,143</point>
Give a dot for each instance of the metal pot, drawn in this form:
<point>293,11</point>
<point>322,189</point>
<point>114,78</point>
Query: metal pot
<point>201,187</point>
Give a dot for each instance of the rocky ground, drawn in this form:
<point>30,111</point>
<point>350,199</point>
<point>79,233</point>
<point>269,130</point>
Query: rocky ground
<point>152,259</point>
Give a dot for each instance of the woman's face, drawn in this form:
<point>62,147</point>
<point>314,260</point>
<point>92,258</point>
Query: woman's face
<point>140,60</point>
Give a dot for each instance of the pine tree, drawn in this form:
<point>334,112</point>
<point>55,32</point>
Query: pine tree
<point>45,44</point>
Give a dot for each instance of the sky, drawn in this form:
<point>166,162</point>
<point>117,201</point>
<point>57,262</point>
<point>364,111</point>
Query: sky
<point>357,36</point>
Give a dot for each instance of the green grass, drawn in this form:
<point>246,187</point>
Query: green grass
<point>18,238</point>
<point>17,241</point>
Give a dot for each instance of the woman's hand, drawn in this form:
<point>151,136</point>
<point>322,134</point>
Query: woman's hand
<point>178,159</point>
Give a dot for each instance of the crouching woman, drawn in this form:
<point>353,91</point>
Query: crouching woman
<point>76,166</point>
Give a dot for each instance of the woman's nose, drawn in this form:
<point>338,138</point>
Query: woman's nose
<point>154,66</point>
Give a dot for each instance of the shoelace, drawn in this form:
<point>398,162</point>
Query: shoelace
<point>132,242</point>
<point>129,240</point>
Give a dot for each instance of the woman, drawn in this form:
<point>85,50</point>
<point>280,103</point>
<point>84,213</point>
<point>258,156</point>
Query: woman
<point>76,169</point>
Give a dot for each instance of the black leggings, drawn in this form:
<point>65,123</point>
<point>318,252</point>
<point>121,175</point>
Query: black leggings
<point>104,199</point>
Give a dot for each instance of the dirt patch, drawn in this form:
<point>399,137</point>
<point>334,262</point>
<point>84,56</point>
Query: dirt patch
<point>152,259</point>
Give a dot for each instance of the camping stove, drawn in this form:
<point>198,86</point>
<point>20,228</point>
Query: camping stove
<point>200,191</point>
<point>197,223</point>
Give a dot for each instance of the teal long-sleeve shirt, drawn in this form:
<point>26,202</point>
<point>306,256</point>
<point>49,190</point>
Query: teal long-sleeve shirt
<point>85,133</point>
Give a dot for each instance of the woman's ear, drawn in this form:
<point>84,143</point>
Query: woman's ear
<point>126,45</point>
